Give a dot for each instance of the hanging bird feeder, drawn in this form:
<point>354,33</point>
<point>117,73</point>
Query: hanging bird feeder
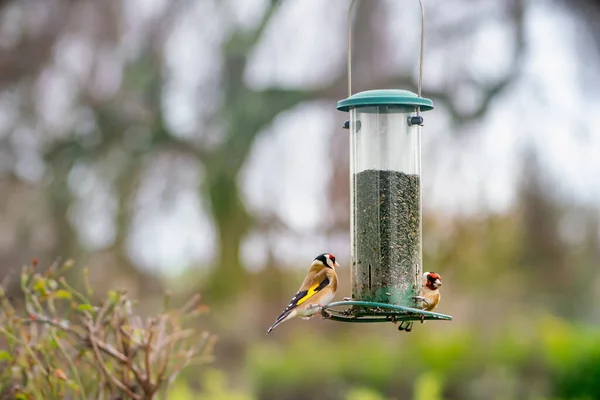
<point>385,167</point>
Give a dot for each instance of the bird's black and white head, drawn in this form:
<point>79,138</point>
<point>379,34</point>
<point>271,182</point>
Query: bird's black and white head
<point>432,280</point>
<point>327,260</point>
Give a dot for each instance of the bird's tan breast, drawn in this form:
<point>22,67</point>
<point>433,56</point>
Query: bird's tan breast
<point>333,282</point>
<point>432,297</point>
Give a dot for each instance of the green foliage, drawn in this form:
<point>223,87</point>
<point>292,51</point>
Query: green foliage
<point>547,358</point>
<point>215,386</point>
<point>574,358</point>
<point>364,394</point>
<point>428,386</point>
<point>63,345</point>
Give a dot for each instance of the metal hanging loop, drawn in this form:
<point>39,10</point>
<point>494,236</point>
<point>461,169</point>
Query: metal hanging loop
<point>420,81</point>
<point>350,48</point>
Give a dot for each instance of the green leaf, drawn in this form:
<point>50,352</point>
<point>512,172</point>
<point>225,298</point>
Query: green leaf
<point>85,307</point>
<point>21,396</point>
<point>73,385</point>
<point>137,334</point>
<point>113,296</point>
<point>40,285</point>
<point>5,356</point>
<point>63,294</point>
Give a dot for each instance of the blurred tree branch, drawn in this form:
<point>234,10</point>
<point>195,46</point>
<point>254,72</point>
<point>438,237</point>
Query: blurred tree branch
<point>33,49</point>
<point>490,90</point>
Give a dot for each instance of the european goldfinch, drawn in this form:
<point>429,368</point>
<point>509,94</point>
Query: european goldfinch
<point>431,297</point>
<point>317,290</point>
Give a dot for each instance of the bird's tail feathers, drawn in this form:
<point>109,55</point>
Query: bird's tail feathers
<point>284,316</point>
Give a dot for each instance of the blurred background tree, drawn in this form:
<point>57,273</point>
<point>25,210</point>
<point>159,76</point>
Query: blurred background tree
<point>195,144</point>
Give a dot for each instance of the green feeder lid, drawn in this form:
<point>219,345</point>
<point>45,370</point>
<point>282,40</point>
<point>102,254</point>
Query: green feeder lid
<point>385,97</point>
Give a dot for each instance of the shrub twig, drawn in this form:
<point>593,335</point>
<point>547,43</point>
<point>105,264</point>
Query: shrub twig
<point>106,349</point>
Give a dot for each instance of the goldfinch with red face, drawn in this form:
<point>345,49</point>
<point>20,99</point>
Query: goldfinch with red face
<point>431,297</point>
<point>317,290</point>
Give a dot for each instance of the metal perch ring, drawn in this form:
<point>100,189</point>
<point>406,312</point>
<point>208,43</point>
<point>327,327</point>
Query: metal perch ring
<point>366,311</point>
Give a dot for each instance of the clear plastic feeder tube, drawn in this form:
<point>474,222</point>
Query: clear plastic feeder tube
<point>385,172</point>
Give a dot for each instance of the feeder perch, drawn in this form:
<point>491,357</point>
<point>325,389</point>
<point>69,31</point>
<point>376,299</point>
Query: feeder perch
<point>385,175</point>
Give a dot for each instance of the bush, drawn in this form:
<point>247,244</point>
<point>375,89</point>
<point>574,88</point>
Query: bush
<point>62,345</point>
<point>546,357</point>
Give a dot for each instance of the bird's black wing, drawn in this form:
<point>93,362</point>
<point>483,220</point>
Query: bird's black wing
<point>304,295</point>
<point>298,299</point>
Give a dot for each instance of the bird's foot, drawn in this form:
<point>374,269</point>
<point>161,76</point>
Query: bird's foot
<point>422,318</point>
<point>421,298</point>
<point>347,298</point>
<point>324,313</point>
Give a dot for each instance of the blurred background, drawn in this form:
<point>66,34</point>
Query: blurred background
<point>195,146</point>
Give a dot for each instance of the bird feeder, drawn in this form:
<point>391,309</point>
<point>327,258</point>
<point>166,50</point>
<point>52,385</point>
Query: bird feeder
<point>385,176</point>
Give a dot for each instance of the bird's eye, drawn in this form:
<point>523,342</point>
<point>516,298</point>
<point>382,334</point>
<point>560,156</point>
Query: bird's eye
<point>332,257</point>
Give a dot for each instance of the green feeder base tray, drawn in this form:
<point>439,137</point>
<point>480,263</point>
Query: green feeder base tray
<point>366,311</point>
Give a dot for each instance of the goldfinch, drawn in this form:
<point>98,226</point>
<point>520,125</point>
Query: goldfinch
<point>431,297</point>
<point>317,290</point>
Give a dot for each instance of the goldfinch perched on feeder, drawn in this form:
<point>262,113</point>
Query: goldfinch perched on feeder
<point>431,297</point>
<point>317,290</point>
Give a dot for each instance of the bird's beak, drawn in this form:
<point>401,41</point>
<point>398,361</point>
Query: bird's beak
<point>336,264</point>
<point>438,282</point>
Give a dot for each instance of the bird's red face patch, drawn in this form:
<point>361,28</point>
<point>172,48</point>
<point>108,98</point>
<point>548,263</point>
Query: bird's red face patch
<point>332,258</point>
<point>433,276</point>
<point>433,280</point>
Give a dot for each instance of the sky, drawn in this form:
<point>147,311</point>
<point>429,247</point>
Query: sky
<point>304,47</point>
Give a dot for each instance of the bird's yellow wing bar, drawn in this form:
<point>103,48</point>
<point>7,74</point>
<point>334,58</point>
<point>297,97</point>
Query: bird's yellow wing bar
<point>314,289</point>
<point>304,295</point>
